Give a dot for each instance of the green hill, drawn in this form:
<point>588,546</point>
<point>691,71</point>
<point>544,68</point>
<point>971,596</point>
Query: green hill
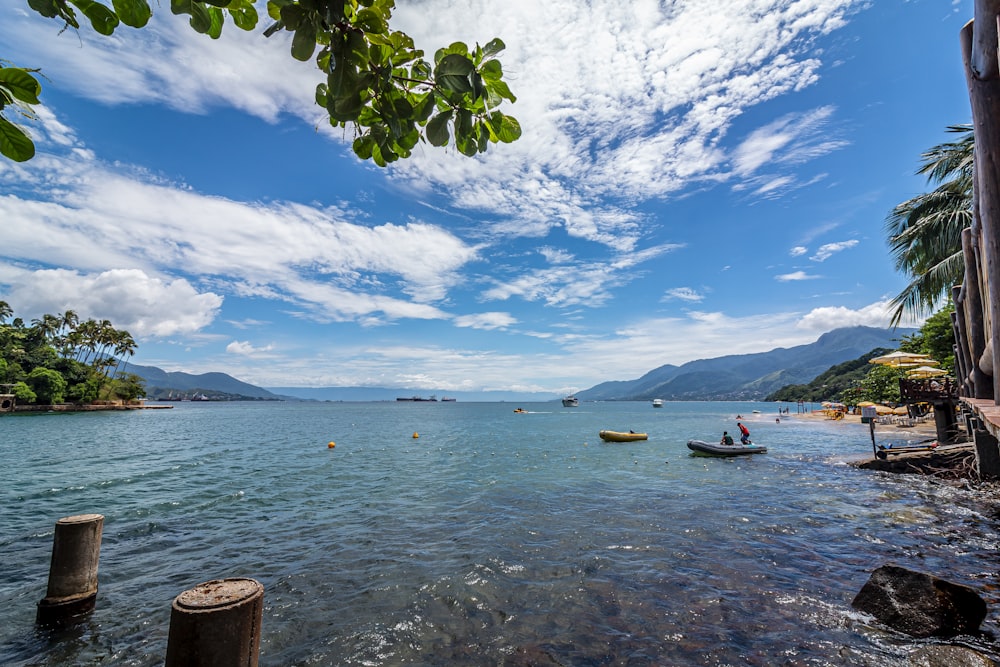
<point>830,383</point>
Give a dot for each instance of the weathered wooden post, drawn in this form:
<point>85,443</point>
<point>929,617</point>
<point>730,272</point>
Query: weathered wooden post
<point>972,301</point>
<point>216,624</point>
<point>987,452</point>
<point>961,347</point>
<point>982,74</point>
<point>72,588</point>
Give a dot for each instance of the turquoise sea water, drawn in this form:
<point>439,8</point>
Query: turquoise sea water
<point>493,538</point>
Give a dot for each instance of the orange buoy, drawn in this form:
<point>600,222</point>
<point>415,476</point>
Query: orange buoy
<point>416,435</point>
<point>331,445</point>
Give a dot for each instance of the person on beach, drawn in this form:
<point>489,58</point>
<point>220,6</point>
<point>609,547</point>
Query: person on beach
<point>744,433</point>
<point>726,439</point>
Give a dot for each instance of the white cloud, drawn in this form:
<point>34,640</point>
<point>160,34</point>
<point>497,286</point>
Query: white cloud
<point>798,250</point>
<point>316,257</point>
<point>487,321</point>
<point>143,305</point>
<point>244,348</point>
<point>825,251</point>
<point>683,293</point>
<point>794,276</point>
<point>878,314</point>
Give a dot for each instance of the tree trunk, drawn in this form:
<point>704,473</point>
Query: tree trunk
<point>982,72</point>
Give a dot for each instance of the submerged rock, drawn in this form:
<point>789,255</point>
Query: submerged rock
<point>920,604</point>
<point>949,656</point>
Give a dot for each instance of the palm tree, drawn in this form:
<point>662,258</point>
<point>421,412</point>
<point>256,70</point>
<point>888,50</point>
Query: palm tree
<point>925,232</point>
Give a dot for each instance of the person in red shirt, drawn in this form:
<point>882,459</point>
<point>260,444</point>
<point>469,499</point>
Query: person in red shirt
<point>744,433</point>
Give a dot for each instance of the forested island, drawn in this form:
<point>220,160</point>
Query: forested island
<point>59,359</point>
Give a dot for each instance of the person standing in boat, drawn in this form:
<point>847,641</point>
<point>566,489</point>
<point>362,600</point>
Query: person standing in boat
<point>726,439</point>
<point>744,433</point>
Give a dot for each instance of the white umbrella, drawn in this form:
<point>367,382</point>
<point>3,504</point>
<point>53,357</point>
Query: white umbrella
<point>900,359</point>
<point>925,372</point>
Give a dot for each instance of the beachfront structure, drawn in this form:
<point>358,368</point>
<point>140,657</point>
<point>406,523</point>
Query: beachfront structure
<point>977,302</point>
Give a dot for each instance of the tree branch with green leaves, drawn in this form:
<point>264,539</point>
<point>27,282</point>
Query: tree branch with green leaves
<point>376,82</point>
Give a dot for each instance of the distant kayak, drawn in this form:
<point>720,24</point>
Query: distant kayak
<point>702,448</point>
<point>618,436</point>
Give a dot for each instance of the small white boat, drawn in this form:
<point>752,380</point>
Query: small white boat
<point>657,402</point>
<point>619,436</point>
<point>702,448</point>
<point>571,402</point>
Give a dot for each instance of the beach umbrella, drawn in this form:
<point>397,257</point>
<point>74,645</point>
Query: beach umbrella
<point>865,404</point>
<point>925,372</point>
<point>900,359</point>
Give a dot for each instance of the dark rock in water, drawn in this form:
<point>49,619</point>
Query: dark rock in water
<point>919,604</point>
<point>949,656</point>
<point>532,656</point>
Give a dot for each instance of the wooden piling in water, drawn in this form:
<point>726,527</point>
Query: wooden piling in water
<point>72,586</point>
<point>216,624</point>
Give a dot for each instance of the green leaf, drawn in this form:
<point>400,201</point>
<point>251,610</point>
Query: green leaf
<point>46,8</point>
<point>346,108</point>
<point>437,129</point>
<point>371,21</point>
<point>54,8</point>
<point>510,130</point>
<point>292,16</point>
<point>321,98</point>
<point>363,146</point>
<point>218,20</point>
<point>491,70</point>
<point>201,20</point>
<point>409,140</point>
<point>304,42</point>
<point>14,143</point>
<point>423,108</point>
<point>452,73</point>
<point>245,16</point>
<point>21,85</point>
<point>500,89</point>
<point>493,47</point>
<point>101,18</point>
<point>134,13</point>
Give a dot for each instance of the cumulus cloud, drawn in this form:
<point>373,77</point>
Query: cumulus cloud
<point>798,251</point>
<point>144,305</point>
<point>244,348</point>
<point>314,256</point>
<point>878,314</point>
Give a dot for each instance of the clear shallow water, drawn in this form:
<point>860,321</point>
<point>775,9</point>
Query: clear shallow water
<point>493,538</point>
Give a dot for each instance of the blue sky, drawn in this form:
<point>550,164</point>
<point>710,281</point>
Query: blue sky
<point>695,178</point>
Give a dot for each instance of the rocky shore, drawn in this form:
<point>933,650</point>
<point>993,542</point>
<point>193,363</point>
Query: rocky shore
<point>947,462</point>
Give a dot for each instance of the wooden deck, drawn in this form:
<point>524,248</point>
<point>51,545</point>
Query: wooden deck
<point>987,412</point>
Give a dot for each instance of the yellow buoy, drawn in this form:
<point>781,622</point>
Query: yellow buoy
<point>331,445</point>
<point>416,435</point>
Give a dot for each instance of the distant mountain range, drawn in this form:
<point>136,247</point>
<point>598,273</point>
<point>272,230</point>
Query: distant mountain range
<point>733,377</point>
<point>161,384</point>
<point>748,376</point>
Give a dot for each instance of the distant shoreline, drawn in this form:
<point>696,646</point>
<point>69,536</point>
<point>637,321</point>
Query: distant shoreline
<point>70,407</point>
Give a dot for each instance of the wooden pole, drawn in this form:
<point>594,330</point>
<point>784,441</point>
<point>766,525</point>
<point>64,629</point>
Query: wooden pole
<point>975,327</point>
<point>216,624</point>
<point>982,73</point>
<point>961,363</point>
<point>72,588</point>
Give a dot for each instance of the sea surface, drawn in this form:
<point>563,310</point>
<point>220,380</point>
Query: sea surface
<point>466,534</point>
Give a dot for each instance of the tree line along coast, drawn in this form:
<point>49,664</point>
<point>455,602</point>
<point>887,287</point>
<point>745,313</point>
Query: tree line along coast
<point>61,359</point>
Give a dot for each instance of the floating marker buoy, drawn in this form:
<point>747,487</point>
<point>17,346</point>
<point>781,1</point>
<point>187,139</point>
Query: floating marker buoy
<point>331,445</point>
<point>416,435</point>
